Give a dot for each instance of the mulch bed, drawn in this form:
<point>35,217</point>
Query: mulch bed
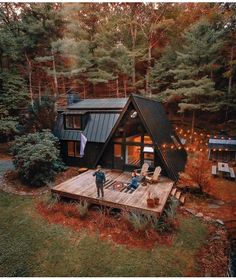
<point>67,174</point>
<point>12,183</point>
<point>108,227</point>
<point>213,256</point>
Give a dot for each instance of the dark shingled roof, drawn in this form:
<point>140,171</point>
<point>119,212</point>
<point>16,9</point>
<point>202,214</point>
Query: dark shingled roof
<point>111,103</point>
<point>97,129</point>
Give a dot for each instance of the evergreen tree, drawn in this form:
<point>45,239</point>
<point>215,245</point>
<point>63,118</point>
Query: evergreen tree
<point>161,74</point>
<point>193,81</point>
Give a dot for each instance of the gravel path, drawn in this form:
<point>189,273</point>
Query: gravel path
<point>5,165</point>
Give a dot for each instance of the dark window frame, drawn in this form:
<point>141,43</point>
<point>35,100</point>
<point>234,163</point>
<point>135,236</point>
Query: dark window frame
<point>73,116</point>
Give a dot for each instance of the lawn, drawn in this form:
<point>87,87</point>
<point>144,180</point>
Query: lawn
<point>29,246</point>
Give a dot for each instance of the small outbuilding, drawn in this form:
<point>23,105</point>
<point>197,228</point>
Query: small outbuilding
<point>222,148</point>
<point>121,134</point>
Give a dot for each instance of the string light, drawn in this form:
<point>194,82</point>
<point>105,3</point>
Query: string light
<point>195,141</point>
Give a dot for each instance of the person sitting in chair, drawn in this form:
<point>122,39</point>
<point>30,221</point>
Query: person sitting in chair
<point>134,182</point>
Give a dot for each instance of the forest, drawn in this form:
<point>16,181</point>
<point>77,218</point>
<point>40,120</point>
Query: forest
<point>182,54</point>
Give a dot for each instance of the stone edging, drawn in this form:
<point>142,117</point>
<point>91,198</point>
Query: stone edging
<point>205,218</point>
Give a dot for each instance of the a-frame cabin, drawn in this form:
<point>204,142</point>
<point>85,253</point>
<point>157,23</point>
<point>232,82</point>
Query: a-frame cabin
<point>122,134</point>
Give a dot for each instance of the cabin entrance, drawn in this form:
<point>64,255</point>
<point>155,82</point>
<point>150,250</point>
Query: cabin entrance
<point>118,157</point>
<point>127,156</point>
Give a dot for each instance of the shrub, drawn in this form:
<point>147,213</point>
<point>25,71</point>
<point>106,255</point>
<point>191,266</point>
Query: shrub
<point>36,157</point>
<point>9,127</point>
<point>171,208</point>
<point>83,209</point>
<point>167,222</point>
<point>197,173</point>
<point>139,221</point>
<point>160,225</point>
<point>53,199</point>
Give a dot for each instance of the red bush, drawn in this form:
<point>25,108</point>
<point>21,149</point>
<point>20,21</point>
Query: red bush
<point>197,173</point>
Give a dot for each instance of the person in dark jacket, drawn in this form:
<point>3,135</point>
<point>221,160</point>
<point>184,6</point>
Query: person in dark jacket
<point>100,180</point>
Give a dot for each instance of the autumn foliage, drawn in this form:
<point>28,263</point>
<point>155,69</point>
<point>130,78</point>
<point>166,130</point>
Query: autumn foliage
<point>197,173</point>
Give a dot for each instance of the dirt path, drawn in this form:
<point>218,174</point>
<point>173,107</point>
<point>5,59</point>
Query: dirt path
<point>16,188</point>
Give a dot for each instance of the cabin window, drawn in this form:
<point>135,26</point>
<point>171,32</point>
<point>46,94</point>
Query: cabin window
<point>73,122</point>
<point>147,140</point>
<point>117,150</point>
<point>135,138</point>
<point>148,155</point>
<point>132,155</point>
<point>73,149</point>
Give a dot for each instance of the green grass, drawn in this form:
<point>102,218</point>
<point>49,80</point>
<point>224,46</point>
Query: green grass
<point>29,246</point>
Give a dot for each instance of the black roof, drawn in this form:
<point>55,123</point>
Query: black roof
<point>161,131</point>
<point>108,103</point>
<point>222,142</point>
<point>97,129</point>
<point>158,126</point>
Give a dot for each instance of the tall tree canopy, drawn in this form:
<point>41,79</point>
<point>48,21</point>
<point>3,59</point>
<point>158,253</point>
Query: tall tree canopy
<point>113,49</point>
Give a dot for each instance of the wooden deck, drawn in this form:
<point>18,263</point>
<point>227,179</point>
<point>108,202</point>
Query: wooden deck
<point>82,187</point>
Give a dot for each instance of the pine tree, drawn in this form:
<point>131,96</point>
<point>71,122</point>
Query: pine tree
<point>193,81</point>
<point>161,74</point>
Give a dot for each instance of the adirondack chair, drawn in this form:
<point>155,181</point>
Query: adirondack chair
<point>143,170</point>
<point>153,177</point>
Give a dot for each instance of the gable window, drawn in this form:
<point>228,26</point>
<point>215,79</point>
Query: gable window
<point>73,121</point>
<point>73,149</point>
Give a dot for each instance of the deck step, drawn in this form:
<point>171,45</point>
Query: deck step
<point>182,199</point>
<point>177,195</point>
<point>173,191</point>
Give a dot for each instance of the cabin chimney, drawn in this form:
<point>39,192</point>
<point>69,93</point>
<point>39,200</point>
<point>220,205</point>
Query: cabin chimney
<point>72,97</point>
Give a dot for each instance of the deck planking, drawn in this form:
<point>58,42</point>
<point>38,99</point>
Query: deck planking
<point>83,187</point>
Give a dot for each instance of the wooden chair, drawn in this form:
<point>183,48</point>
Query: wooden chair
<point>153,177</point>
<point>143,170</point>
<point>214,171</point>
<point>232,174</point>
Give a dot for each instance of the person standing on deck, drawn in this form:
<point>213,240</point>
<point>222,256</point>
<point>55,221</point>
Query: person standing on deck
<point>100,180</point>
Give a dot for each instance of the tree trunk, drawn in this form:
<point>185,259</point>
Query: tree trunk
<point>94,87</point>
<point>40,95</point>
<point>148,90</point>
<point>133,72</point>
<point>84,89</point>
<point>125,86</point>
<point>193,124</point>
<point>229,83</point>
<point>55,80</point>
<point>30,79</point>
<point>117,87</point>
<point>133,31</point>
<point>231,66</point>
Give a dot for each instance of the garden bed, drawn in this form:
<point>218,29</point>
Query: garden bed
<point>115,228</point>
